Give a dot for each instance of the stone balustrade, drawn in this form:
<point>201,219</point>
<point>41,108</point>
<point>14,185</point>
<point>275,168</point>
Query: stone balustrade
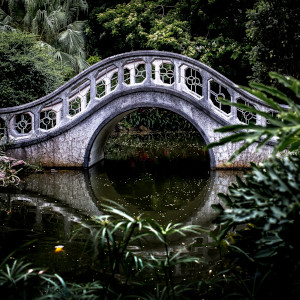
<point>120,73</point>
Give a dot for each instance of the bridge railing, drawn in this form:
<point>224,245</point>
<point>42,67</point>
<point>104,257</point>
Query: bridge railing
<point>124,72</point>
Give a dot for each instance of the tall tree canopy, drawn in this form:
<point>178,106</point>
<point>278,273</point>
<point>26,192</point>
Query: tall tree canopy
<point>274,29</point>
<point>212,31</point>
<point>243,39</point>
<point>56,23</point>
<point>27,69</point>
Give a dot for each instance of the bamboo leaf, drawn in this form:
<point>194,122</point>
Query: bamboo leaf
<point>262,96</point>
<point>288,81</point>
<point>274,92</point>
<point>121,213</point>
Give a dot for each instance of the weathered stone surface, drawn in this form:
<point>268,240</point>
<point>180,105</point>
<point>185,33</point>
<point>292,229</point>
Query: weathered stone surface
<point>79,136</point>
<point>79,147</point>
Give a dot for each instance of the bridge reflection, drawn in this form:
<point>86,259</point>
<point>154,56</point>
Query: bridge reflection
<point>69,198</point>
<point>76,194</point>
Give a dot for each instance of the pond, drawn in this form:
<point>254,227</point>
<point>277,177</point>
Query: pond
<point>164,176</point>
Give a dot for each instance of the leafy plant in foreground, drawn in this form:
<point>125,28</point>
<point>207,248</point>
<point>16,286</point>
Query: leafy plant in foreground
<point>112,236</point>
<point>263,212</point>
<point>284,128</point>
<point>261,216</point>
<point>268,198</point>
<point>117,238</point>
<point>57,288</point>
<point>168,263</point>
<point>17,280</point>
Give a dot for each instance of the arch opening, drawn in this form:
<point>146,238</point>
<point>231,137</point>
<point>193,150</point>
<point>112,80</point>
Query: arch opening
<point>162,173</point>
<point>95,151</point>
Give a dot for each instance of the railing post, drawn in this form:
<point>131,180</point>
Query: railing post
<point>65,107</point>
<point>260,120</point>
<point>10,121</point>
<point>36,120</point>
<point>233,99</point>
<point>93,87</point>
<point>205,91</point>
<point>148,71</point>
<point>132,75</point>
<point>120,75</point>
<point>177,78</point>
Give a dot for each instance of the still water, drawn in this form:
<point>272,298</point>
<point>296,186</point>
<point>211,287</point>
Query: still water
<point>162,176</point>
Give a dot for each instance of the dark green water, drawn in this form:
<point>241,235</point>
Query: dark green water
<point>162,176</point>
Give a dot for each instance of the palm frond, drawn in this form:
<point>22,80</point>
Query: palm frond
<point>71,41</point>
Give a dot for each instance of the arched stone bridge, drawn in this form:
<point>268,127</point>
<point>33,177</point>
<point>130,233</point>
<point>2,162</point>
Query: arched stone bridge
<point>70,126</point>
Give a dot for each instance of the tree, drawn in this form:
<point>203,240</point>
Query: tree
<point>274,29</point>
<point>218,28</point>
<point>28,69</point>
<point>138,25</point>
<point>56,23</point>
<point>213,31</point>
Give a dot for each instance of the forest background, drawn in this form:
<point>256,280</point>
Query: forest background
<point>44,43</point>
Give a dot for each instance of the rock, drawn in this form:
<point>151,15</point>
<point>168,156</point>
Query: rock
<point>13,162</point>
<point>2,175</point>
<point>18,163</point>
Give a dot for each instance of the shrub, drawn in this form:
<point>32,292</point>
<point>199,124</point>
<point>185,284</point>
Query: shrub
<point>28,70</point>
<point>261,219</point>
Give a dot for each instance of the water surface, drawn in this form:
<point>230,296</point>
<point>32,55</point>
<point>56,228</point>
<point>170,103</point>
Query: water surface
<point>165,177</point>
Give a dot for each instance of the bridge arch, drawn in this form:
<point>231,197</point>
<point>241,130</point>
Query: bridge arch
<point>145,99</point>
<point>70,125</point>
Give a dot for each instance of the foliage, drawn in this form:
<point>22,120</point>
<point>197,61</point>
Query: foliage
<point>93,59</point>
<point>260,220</point>
<point>56,23</point>
<point>230,36</point>
<point>17,280</point>
<point>144,26</point>
<point>56,288</point>
<point>8,176</point>
<point>218,28</point>
<point>156,119</point>
<point>28,70</point>
<point>273,28</point>
<point>226,55</point>
<point>284,128</point>
<point>115,238</point>
<point>267,199</point>
<point>177,26</point>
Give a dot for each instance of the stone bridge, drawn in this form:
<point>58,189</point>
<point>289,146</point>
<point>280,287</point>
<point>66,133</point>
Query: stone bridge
<point>70,126</point>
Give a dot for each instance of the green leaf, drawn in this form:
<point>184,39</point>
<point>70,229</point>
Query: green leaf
<point>288,81</point>
<point>218,207</point>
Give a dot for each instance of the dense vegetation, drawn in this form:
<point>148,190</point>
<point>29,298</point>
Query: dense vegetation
<point>241,39</point>
<point>28,69</point>
<point>154,119</point>
<point>59,24</point>
<point>235,37</point>
<point>259,222</point>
